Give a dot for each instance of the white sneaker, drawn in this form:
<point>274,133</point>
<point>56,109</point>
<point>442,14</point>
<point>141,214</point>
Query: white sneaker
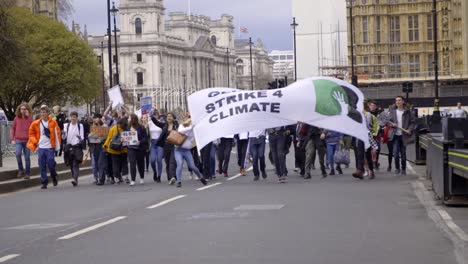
<point>190,177</point>
<point>172,181</point>
<point>142,181</point>
<point>132,183</point>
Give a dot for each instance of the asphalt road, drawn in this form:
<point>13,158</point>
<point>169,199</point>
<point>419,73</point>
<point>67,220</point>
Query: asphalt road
<point>333,220</point>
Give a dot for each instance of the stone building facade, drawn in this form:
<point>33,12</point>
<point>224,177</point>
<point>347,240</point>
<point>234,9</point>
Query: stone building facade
<point>394,42</point>
<point>41,7</point>
<point>262,65</point>
<point>170,57</point>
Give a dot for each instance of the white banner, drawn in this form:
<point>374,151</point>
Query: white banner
<point>323,102</point>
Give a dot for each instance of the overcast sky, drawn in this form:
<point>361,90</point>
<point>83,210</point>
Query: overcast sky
<point>266,19</point>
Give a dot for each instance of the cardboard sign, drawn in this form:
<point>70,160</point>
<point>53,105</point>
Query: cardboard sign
<point>130,138</point>
<point>115,95</point>
<point>146,104</point>
<point>98,134</point>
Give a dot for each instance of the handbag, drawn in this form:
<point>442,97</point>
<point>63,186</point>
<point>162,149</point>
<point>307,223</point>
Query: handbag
<point>116,142</point>
<point>176,138</point>
<point>342,156</point>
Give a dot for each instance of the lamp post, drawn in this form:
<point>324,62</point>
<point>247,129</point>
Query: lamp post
<point>103,78</point>
<point>351,24</point>
<point>251,64</point>
<point>436,125</point>
<point>294,25</point>
<point>109,42</point>
<point>114,12</point>
<point>185,91</point>
<point>228,81</point>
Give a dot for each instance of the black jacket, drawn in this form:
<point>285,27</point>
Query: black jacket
<point>165,131</point>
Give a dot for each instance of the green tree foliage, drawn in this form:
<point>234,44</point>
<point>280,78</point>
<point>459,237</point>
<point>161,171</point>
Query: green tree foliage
<point>58,67</point>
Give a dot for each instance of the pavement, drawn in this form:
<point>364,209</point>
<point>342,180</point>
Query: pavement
<point>232,220</point>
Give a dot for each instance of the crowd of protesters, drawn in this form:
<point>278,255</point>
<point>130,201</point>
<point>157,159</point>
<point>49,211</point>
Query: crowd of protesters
<point>54,134</point>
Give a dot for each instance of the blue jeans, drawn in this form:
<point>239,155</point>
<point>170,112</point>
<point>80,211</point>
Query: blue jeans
<point>21,148</point>
<point>47,159</point>
<point>399,152</point>
<point>156,157</point>
<point>181,154</point>
<point>257,149</point>
<point>331,149</point>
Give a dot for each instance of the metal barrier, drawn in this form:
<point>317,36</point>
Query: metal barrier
<point>6,148</point>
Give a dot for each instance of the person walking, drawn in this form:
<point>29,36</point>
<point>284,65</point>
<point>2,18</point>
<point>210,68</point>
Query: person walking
<point>314,144</point>
<point>257,149</point>
<point>73,137</point>
<point>300,142</point>
<point>45,137</point>
<point>136,152</point>
<point>117,151</point>
<point>277,140</point>
<point>224,154</point>
<point>170,125</point>
<point>97,152</point>
<point>155,127</point>
<point>242,145</point>
<point>183,152</point>
<point>403,124</point>
<point>19,137</point>
<point>332,139</point>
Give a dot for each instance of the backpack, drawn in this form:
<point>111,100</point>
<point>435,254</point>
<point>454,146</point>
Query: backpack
<point>116,142</point>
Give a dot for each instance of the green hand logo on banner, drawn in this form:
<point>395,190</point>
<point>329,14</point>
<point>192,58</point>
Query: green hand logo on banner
<point>331,99</point>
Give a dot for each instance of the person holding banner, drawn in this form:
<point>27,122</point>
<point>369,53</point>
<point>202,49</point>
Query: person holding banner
<point>183,152</point>
<point>257,149</point>
<point>136,152</point>
<point>242,145</point>
<point>224,154</point>
<point>277,139</point>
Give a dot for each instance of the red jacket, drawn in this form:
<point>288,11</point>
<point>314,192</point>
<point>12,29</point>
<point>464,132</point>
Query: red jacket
<point>20,129</point>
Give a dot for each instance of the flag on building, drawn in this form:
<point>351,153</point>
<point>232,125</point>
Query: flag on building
<point>244,30</point>
<point>328,103</point>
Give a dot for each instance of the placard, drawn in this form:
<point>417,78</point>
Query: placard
<point>129,138</point>
<point>146,104</point>
<point>115,95</point>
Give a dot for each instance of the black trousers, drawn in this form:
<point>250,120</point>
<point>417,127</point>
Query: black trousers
<point>361,153</point>
<point>206,160</point>
<point>117,164</point>
<point>136,158</point>
<point>242,152</point>
<point>390,153</point>
<point>170,161</point>
<point>224,154</point>
<point>278,152</point>
<point>300,156</point>
<point>196,159</point>
<point>110,166</point>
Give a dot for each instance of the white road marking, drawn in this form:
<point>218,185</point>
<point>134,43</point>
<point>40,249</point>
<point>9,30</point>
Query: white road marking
<point>166,201</point>
<point>8,257</point>
<point>444,215</point>
<point>455,228</point>
<point>208,186</point>
<point>91,228</point>
<point>238,175</point>
<point>234,177</point>
<point>410,168</point>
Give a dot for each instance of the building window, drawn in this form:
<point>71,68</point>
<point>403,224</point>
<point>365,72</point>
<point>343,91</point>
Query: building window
<point>276,57</point>
<point>139,78</point>
<point>430,27</point>
<point>414,65</point>
<point>365,33</point>
<point>213,40</point>
<point>282,57</point>
<point>395,66</point>
<point>430,64</point>
<point>139,57</point>
<point>138,29</point>
<point>413,28</point>
<point>240,67</point>
<point>393,2</point>
<point>394,29</point>
<point>378,29</point>
<point>115,78</point>
<point>290,57</point>
<point>365,61</point>
<point>139,96</point>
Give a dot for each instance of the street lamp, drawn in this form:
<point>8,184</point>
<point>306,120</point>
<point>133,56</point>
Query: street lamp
<point>227,53</point>
<point>351,24</point>
<point>251,64</point>
<point>185,91</point>
<point>114,12</point>
<point>294,25</point>
<point>436,125</point>
<point>109,42</point>
<point>103,79</point>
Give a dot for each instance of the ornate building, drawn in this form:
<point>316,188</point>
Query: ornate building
<point>394,42</point>
<point>262,65</point>
<point>42,7</point>
<point>170,57</point>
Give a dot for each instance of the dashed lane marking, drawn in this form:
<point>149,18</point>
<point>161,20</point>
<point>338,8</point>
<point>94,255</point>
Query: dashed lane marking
<point>208,186</point>
<point>91,228</point>
<point>238,175</point>
<point>166,201</point>
<point>8,257</point>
